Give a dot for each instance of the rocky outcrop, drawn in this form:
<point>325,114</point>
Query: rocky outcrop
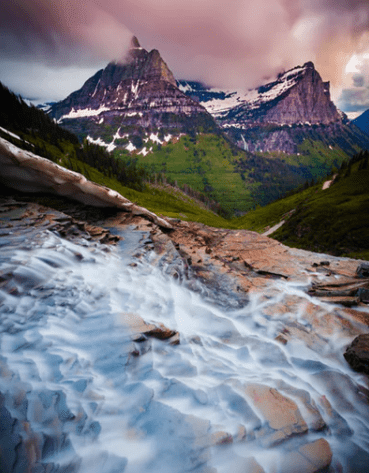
<point>24,171</point>
<point>137,93</point>
<point>297,96</point>
<point>357,354</point>
<point>276,415</point>
<point>279,115</point>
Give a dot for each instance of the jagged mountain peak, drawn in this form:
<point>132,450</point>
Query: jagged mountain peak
<point>298,95</point>
<point>134,43</point>
<point>137,93</point>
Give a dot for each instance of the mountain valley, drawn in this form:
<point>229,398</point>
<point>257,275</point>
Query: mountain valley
<point>140,330</point>
<point>241,149</point>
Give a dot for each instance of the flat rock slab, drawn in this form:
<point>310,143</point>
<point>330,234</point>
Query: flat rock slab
<point>280,412</point>
<point>139,327</point>
<point>357,354</point>
<point>312,457</point>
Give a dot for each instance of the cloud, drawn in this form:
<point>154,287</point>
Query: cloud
<point>355,98</point>
<point>240,43</point>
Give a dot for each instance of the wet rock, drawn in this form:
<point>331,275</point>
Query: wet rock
<point>174,340</point>
<point>363,270</point>
<point>346,301</point>
<point>281,413</point>
<point>244,465</point>
<point>161,332</point>
<point>281,339</point>
<point>314,457</point>
<point>363,295</point>
<point>221,438</point>
<point>357,354</point>
<point>140,329</point>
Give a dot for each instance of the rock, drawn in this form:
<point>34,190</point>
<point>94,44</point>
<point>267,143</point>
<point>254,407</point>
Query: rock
<point>363,270</point>
<point>314,457</point>
<point>27,172</point>
<point>281,413</point>
<point>141,329</point>
<point>363,295</point>
<point>141,89</point>
<point>161,332</point>
<point>281,339</point>
<point>174,340</point>
<point>346,301</point>
<point>244,465</point>
<point>357,354</point>
<point>221,438</point>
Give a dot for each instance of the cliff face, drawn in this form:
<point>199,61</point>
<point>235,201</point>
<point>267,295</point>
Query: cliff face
<point>278,116</point>
<point>297,96</point>
<point>139,92</point>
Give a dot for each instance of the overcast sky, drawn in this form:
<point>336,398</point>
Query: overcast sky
<point>50,47</point>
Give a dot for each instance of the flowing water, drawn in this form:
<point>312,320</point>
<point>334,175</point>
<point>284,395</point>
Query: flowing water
<point>75,390</point>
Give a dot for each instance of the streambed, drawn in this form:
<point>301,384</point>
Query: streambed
<point>79,394</point>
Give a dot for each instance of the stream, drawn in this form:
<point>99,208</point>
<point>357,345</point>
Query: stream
<point>79,395</point>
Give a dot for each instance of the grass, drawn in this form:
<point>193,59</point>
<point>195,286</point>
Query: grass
<point>207,164</point>
<point>333,221</point>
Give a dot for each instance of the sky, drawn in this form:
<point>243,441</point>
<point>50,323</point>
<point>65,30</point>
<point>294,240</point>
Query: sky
<point>49,48</point>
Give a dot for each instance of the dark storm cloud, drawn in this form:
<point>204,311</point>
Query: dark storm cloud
<point>238,43</point>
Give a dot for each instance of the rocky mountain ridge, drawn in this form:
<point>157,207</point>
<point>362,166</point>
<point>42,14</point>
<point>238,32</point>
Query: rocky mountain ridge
<point>137,93</point>
<point>297,96</point>
<point>279,115</point>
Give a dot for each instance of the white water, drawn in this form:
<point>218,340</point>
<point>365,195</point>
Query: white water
<point>66,349</point>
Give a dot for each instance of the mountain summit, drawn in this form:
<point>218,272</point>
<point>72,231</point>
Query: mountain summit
<point>281,114</point>
<point>296,96</point>
<point>137,93</point>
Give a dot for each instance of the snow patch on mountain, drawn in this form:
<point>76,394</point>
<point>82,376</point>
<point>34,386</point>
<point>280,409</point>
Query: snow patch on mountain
<point>252,98</point>
<point>84,112</point>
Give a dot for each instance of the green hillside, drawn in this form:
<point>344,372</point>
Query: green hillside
<point>211,164</point>
<point>32,130</point>
<point>334,220</point>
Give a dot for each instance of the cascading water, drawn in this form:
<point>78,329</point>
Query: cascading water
<point>84,397</point>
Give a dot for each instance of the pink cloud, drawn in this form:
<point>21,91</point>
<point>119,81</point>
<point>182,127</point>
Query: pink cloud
<point>229,44</point>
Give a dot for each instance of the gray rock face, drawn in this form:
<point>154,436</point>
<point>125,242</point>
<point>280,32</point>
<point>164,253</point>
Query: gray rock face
<point>279,115</point>
<point>298,96</point>
<point>139,91</point>
<point>357,354</point>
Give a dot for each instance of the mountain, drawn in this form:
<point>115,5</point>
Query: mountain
<point>27,135</point>
<point>136,96</point>
<point>362,122</point>
<point>281,115</point>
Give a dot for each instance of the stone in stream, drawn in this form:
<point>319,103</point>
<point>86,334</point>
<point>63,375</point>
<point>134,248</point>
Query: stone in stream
<point>141,329</point>
<point>357,354</point>
<point>314,457</point>
<point>280,412</point>
<point>363,270</point>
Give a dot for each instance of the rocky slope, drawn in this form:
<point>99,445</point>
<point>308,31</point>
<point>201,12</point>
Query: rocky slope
<point>278,116</point>
<point>135,96</point>
<point>27,172</point>
<point>362,122</point>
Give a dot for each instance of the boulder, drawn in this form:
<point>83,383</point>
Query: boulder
<point>280,412</point>
<point>357,354</point>
<point>312,457</point>
<point>363,270</point>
